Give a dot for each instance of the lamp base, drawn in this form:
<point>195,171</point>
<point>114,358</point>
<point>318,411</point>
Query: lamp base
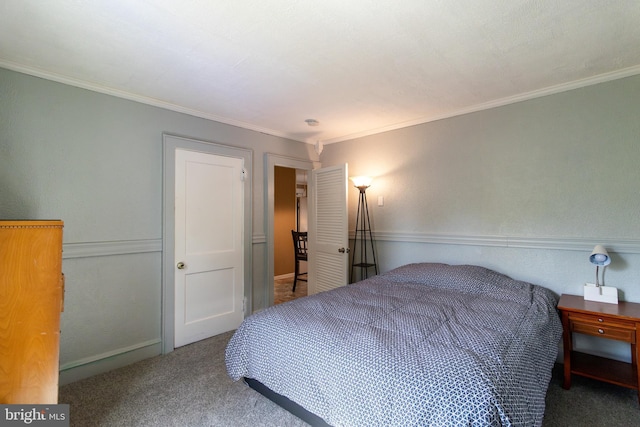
<point>607,294</point>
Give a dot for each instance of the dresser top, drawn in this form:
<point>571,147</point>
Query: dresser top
<point>29,223</point>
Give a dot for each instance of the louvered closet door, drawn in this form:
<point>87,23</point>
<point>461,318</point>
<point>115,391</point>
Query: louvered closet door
<point>329,233</point>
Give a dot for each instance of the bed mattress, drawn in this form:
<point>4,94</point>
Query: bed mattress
<point>424,344</point>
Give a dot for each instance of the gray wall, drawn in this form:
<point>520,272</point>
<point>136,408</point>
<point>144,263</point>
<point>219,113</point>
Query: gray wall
<point>526,189</point>
<point>95,161</point>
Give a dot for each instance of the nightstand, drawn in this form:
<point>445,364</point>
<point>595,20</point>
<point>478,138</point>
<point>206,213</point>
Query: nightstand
<point>619,322</point>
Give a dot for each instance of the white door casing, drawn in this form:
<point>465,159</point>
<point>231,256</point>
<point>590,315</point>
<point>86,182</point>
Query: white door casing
<point>208,245</point>
<point>328,229</point>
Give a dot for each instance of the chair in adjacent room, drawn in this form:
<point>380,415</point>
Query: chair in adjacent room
<point>300,250</point>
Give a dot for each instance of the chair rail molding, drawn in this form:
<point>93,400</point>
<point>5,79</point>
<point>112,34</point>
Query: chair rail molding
<point>123,247</point>
<point>629,246</point>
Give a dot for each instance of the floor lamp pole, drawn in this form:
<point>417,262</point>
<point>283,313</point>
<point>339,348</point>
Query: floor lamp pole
<point>362,237</point>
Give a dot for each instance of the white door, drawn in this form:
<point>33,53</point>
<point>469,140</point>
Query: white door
<point>328,230</point>
<point>209,217</point>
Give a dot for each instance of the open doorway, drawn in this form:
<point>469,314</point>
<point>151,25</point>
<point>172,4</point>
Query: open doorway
<point>265,298</point>
<point>290,215</point>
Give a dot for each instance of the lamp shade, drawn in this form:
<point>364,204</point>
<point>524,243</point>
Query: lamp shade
<point>361,181</point>
<point>600,256</point>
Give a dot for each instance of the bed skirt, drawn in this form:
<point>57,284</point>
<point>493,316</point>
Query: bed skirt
<point>288,404</point>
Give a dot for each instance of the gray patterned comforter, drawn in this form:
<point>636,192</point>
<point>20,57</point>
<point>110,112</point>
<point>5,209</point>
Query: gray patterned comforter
<point>421,345</point>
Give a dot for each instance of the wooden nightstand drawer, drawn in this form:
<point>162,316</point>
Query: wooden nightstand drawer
<point>604,331</point>
<point>602,326</point>
<point>602,320</point>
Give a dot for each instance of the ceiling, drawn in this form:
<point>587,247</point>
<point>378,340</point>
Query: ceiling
<point>358,67</point>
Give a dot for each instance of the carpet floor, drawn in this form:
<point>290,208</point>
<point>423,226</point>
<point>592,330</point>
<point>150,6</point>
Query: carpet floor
<point>190,387</point>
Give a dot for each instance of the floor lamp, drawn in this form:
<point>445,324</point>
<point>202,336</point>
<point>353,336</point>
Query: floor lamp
<point>363,244</point>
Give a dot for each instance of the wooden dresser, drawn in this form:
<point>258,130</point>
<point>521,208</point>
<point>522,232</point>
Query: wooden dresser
<point>31,298</point>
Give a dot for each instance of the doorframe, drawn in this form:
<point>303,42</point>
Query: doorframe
<point>271,161</point>
<point>171,143</point>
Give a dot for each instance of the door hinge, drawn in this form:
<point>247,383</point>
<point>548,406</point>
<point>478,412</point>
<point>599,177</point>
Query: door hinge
<point>244,174</point>
<point>244,305</point>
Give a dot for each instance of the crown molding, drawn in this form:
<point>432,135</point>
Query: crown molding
<point>107,90</point>
<point>100,88</point>
<point>551,90</point>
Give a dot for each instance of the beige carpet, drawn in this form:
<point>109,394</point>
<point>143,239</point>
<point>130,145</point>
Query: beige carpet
<point>190,387</point>
<point>186,388</point>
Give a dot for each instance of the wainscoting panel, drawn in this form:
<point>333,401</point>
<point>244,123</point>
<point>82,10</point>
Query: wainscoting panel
<point>112,304</point>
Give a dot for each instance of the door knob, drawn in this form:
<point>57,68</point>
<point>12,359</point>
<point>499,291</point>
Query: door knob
<point>343,250</point>
<point>180,265</point>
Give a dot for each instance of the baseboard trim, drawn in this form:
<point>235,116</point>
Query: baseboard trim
<point>93,365</point>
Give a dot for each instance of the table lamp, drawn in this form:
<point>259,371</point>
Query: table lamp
<point>597,291</point>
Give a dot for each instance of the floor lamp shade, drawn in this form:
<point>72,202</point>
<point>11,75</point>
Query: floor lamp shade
<point>361,181</point>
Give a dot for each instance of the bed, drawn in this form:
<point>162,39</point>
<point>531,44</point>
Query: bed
<point>423,344</point>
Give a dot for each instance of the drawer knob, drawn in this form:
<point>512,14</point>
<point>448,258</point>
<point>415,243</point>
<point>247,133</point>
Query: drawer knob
<point>600,320</point>
<point>600,331</point>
